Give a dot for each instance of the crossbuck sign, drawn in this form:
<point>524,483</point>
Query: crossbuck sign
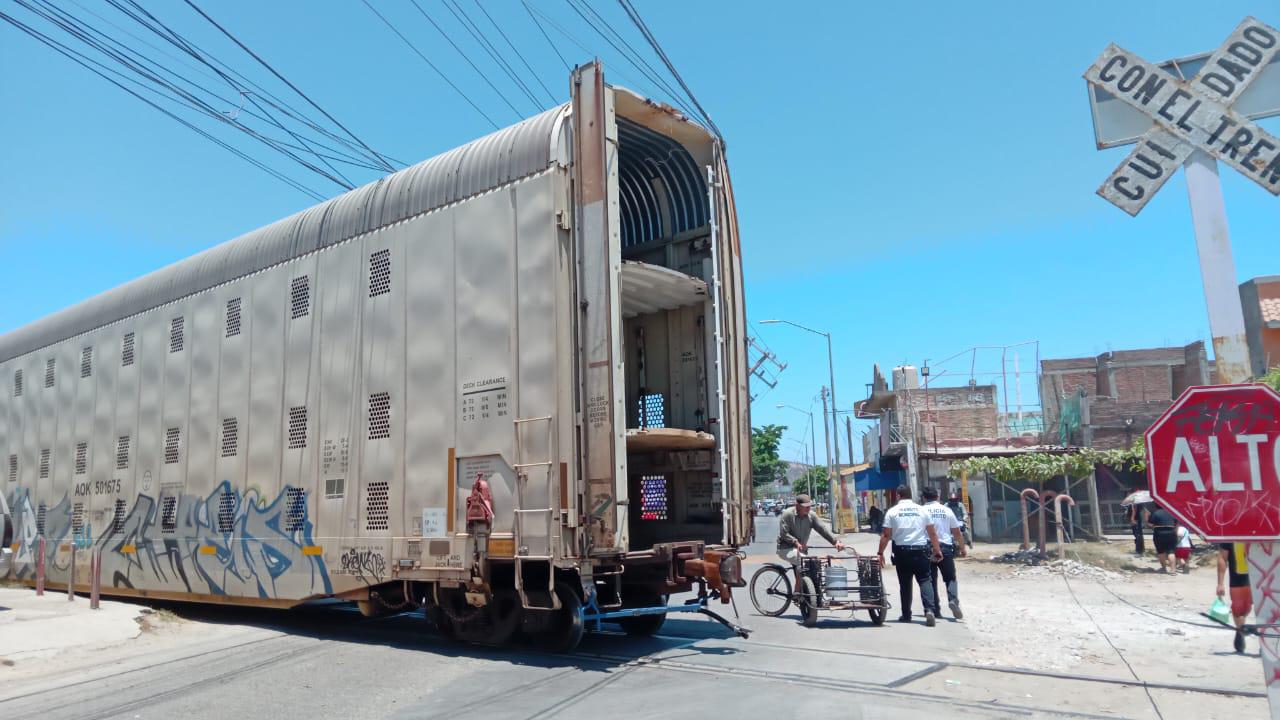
<point>1190,115</point>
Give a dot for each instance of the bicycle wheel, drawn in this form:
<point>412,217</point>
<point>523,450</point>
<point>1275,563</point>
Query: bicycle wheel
<point>808,602</point>
<point>771,590</point>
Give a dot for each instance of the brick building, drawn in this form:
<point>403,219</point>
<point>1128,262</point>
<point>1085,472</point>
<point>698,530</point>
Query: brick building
<point>1108,401</point>
<point>1117,395</point>
<point>1260,298</point>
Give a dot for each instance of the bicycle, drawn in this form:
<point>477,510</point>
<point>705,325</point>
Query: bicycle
<point>823,586</point>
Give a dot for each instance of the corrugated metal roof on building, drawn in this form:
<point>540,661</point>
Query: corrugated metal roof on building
<point>523,149</point>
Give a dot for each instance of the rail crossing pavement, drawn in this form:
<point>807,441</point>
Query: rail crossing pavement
<point>1190,115</point>
<point>327,661</point>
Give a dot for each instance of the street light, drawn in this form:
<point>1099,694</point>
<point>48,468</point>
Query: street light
<point>835,429</point>
<point>812,442</point>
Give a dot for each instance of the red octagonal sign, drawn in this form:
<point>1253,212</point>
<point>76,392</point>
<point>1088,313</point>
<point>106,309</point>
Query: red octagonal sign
<point>1213,460</point>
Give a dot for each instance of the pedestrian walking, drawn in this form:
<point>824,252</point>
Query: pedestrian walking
<point>1182,551</point>
<point>948,530</point>
<point>1233,567</point>
<point>956,506</point>
<point>915,545</point>
<point>1164,535</point>
<point>1134,501</point>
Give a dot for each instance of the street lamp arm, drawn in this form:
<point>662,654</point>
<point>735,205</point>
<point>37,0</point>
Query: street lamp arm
<point>796,324</point>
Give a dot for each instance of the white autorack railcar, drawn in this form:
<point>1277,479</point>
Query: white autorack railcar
<point>506,384</point>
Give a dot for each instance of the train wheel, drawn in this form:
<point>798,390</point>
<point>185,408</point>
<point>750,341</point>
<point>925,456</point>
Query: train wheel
<point>564,629</point>
<point>808,602</point>
<point>643,625</point>
<point>877,616</point>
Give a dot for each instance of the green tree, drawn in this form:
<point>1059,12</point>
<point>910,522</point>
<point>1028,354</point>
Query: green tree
<point>814,482</point>
<point>766,466</point>
<point>1272,378</point>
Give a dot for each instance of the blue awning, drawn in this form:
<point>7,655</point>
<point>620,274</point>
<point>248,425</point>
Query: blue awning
<point>874,478</point>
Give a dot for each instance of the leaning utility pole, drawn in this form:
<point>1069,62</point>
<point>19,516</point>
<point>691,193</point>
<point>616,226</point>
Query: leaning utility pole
<point>827,431</point>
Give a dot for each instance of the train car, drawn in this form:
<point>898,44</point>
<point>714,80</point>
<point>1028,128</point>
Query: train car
<point>506,384</point>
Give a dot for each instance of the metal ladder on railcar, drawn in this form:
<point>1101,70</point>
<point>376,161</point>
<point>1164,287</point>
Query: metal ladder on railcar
<point>550,512</point>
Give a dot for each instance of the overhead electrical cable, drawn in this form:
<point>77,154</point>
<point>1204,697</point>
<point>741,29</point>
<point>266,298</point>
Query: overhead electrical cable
<point>657,48</point>
<point>642,86</point>
<point>217,66</point>
<point>70,26</point>
<point>515,50</point>
<point>89,63</point>
<point>545,35</point>
<point>285,80</point>
<point>430,64</point>
<point>639,65</point>
<point>466,57</point>
<point>470,26</point>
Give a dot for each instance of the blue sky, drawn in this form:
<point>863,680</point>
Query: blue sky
<point>914,182</point>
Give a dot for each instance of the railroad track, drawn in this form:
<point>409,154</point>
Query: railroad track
<point>302,635</point>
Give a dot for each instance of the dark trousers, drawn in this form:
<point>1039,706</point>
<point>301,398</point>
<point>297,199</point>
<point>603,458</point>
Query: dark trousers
<point>1139,543</point>
<point>948,568</point>
<point>913,564</point>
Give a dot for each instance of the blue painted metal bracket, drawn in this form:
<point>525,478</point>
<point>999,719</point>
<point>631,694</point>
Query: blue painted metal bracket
<point>591,613</point>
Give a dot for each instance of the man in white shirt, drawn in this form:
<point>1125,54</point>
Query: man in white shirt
<point>951,537</point>
<point>915,545</point>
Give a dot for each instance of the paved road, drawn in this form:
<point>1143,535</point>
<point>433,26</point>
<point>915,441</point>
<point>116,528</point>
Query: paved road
<point>329,662</point>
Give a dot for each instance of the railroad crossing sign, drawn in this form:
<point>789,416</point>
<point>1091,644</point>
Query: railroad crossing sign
<point>1213,460</point>
<point>1190,115</point>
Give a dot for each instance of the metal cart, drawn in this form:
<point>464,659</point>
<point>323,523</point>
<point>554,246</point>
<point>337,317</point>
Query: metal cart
<point>824,585</point>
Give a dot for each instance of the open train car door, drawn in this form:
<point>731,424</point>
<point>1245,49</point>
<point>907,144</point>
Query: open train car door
<point>735,420</point>
<point>598,250</point>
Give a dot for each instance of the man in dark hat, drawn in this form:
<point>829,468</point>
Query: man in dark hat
<point>794,527</point>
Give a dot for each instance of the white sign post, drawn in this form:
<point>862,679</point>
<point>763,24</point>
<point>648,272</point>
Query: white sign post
<point>1194,123</point>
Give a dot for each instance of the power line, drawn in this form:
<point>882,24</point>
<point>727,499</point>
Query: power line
<point>284,80</point>
<point>469,25</point>
<point>571,38</point>
<point>479,72</point>
<point>76,28</point>
<point>88,63</point>
<point>545,35</point>
<point>430,64</point>
<point>657,48</point>
<point>208,61</point>
<point>517,52</point>
<point>638,63</point>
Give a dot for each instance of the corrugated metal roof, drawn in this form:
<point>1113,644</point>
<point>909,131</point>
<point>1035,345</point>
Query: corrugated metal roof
<point>649,288</point>
<point>523,149</point>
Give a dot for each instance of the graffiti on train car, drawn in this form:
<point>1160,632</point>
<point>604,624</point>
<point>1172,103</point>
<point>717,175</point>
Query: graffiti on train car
<point>367,565</point>
<point>228,543</point>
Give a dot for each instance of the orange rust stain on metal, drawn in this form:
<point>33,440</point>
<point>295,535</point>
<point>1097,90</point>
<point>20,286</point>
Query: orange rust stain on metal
<point>453,481</point>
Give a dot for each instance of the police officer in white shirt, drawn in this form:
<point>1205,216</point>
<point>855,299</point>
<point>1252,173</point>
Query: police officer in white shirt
<point>951,537</point>
<point>915,546</point>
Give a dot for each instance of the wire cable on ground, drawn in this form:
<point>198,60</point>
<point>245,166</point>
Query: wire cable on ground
<point>1119,654</point>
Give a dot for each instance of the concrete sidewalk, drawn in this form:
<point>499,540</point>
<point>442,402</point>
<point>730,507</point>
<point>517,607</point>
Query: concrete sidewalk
<point>34,627</point>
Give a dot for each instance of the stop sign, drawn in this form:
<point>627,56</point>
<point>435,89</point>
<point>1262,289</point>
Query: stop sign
<point>1213,460</point>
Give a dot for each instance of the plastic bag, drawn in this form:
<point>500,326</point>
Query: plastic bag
<point>1220,611</point>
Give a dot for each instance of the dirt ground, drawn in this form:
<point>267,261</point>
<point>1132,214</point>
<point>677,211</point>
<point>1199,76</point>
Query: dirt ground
<point>1092,618</point>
